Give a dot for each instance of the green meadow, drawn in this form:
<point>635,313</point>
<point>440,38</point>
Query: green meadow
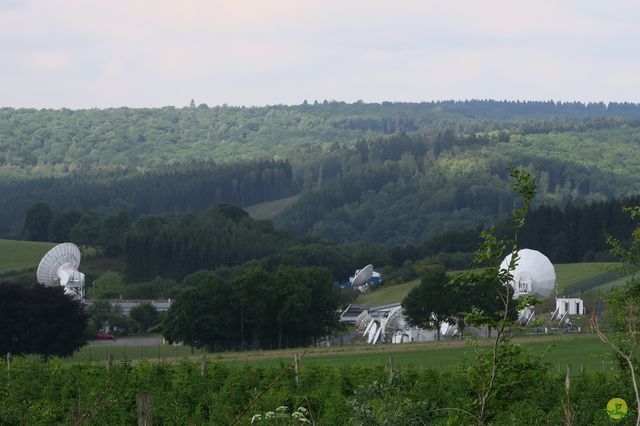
<point>21,255</point>
<point>581,351</point>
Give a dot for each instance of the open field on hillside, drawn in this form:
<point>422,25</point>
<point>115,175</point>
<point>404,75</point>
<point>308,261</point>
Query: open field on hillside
<point>579,350</point>
<point>572,278</point>
<point>270,209</point>
<point>389,294</point>
<point>21,255</point>
<point>618,282</point>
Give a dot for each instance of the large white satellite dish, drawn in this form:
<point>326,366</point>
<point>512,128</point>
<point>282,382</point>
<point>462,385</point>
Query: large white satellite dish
<point>363,276</point>
<point>60,267</point>
<point>534,274</point>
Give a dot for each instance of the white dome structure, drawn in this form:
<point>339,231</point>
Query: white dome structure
<point>534,274</point>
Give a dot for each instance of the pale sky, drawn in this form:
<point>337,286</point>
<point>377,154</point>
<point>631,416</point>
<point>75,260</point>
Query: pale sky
<point>111,53</point>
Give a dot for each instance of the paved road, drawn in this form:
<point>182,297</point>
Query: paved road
<point>130,341</point>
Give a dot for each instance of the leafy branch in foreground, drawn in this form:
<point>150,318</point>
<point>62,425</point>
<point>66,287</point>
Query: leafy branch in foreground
<point>496,308</point>
<point>624,306</point>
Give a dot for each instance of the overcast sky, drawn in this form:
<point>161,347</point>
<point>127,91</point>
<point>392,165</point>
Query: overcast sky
<point>110,53</point>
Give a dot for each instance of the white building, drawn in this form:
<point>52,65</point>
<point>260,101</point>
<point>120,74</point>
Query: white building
<point>126,305</point>
<point>569,306</point>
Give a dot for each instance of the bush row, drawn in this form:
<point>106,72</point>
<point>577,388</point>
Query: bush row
<point>34,392</point>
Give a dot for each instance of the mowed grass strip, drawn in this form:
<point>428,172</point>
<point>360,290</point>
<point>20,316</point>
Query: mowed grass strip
<point>21,255</point>
<point>270,209</point>
<point>573,274</point>
<point>387,294</point>
<point>618,282</point>
<point>581,351</point>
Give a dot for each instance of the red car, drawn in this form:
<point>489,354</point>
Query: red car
<point>105,336</point>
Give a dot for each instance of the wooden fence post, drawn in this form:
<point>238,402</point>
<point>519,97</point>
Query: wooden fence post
<point>296,368</point>
<point>109,360</point>
<point>203,363</point>
<point>390,368</point>
<point>145,414</point>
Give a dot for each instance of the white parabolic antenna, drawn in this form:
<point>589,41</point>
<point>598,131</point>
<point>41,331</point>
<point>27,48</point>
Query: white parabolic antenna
<point>60,267</point>
<point>534,274</point>
<point>363,276</point>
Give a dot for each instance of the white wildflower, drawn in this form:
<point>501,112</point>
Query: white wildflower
<point>256,418</point>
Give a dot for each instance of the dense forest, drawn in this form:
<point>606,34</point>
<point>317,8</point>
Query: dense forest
<point>60,140</point>
<point>406,188</point>
<point>188,188</point>
<point>390,173</point>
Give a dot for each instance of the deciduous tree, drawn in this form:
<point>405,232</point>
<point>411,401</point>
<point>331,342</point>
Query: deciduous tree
<point>430,303</point>
<point>40,320</point>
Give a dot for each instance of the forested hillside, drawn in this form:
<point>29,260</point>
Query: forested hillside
<point>407,188</point>
<point>388,173</point>
<point>59,140</point>
<point>180,188</point>
<point>169,247</point>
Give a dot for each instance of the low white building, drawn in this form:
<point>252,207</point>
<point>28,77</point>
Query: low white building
<point>569,306</point>
<point>126,305</point>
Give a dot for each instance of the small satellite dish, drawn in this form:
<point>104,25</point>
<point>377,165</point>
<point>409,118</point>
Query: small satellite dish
<point>60,267</point>
<point>534,274</point>
<point>363,276</point>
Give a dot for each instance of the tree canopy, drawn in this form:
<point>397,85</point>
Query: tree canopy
<point>431,302</point>
<point>40,320</point>
<point>256,308</point>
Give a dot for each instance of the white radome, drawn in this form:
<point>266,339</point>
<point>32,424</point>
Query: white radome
<point>534,274</point>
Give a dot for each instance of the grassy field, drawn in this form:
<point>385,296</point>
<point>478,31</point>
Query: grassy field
<point>579,350</point>
<point>618,282</point>
<point>390,294</point>
<point>270,209</point>
<point>572,279</point>
<point>21,255</point>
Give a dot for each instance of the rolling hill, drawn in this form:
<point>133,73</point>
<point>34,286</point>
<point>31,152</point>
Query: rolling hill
<point>391,173</point>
